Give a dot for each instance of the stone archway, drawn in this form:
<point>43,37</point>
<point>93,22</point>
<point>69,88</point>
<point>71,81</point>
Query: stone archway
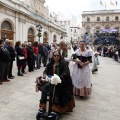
<point>117,28</point>
<point>31,35</point>
<point>54,38</point>
<point>45,37</point>
<point>97,29</point>
<point>88,29</point>
<point>107,27</point>
<point>7,30</point>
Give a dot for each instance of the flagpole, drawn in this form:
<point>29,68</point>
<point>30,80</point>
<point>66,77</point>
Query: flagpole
<point>105,5</point>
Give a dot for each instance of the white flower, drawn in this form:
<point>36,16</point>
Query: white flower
<point>21,58</point>
<point>55,79</point>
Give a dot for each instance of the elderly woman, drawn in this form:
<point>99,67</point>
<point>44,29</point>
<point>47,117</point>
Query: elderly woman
<point>63,98</point>
<point>81,75</point>
<point>20,57</point>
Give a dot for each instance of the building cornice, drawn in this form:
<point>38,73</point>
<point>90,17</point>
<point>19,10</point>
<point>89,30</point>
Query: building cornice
<point>30,14</point>
<point>101,12</point>
<point>101,22</point>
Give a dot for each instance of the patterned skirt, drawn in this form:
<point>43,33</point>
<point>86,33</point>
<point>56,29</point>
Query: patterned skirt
<point>82,91</point>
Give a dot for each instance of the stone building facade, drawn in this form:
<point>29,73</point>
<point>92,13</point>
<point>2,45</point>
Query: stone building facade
<point>18,20</point>
<point>73,30</point>
<point>93,21</point>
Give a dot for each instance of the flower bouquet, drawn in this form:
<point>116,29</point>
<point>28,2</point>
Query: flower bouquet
<point>74,56</point>
<point>54,81</point>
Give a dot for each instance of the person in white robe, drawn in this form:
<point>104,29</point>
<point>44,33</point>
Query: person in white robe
<point>81,75</point>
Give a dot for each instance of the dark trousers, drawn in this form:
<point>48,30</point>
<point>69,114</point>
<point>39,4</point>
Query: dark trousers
<point>45,60</point>
<point>40,59</point>
<point>4,70</point>
<point>10,69</point>
<point>30,68</point>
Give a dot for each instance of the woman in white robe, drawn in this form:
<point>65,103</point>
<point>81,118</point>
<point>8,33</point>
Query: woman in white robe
<point>81,75</point>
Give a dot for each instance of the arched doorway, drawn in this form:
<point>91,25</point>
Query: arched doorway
<point>97,29</point>
<point>88,29</point>
<point>6,30</point>
<point>45,37</point>
<point>54,38</point>
<point>107,27</point>
<point>31,35</point>
<point>117,28</point>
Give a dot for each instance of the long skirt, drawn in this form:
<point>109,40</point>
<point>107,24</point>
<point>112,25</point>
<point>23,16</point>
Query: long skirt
<point>82,80</point>
<point>57,108</point>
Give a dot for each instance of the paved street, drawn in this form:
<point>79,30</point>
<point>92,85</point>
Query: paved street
<point>18,100</point>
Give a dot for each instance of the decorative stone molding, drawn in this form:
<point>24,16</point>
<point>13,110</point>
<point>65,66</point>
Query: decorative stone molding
<point>22,20</point>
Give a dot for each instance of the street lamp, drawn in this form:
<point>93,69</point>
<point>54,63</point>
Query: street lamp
<point>61,35</point>
<point>39,29</point>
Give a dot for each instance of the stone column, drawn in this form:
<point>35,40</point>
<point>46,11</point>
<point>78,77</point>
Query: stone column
<point>50,36</point>
<point>16,35</point>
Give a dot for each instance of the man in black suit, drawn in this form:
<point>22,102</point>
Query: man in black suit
<point>4,62</point>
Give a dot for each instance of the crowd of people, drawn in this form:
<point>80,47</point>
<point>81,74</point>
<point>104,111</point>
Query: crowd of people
<point>25,54</point>
<point>73,64</point>
<point>111,51</point>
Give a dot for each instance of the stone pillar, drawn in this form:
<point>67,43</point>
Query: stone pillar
<point>16,35</point>
<point>50,36</point>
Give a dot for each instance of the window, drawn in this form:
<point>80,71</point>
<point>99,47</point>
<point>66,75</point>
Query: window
<point>107,18</point>
<point>116,18</point>
<point>6,25</point>
<point>97,31</point>
<point>88,30</point>
<point>30,31</point>
<point>88,19</point>
<point>75,30</point>
<point>98,18</point>
<point>117,28</point>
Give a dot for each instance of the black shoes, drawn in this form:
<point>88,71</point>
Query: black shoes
<point>11,77</point>
<point>94,70</point>
<point>20,74</point>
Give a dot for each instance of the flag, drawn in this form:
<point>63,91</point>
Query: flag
<point>105,4</point>
<point>101,3</point>
<point>116,3</point>
<point>111,3</point>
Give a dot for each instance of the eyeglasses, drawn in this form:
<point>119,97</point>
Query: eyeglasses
<point>56,55</point>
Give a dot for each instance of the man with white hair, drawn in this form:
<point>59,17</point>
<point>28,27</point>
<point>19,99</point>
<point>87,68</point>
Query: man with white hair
<point>31,57</point>
<point>64,51</point>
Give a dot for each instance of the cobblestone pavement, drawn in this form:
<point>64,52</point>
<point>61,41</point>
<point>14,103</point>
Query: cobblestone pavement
<point>18,100</point>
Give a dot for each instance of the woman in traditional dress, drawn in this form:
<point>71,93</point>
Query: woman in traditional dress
<point>70,52</point>
<point>95,61</point>
<point>81,75</point>
<point>63,98</point>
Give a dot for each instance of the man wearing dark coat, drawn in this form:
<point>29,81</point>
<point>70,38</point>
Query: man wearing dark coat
<point>31,57</point>
<point>12,54</point>
<point>4,63</point>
